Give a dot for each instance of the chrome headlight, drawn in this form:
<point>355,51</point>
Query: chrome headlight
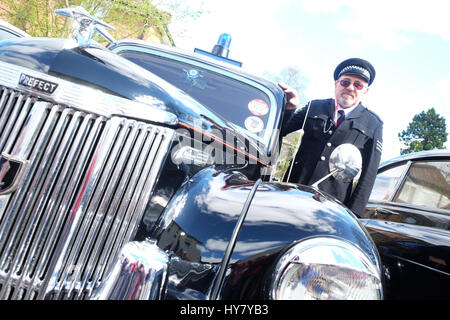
<point>324,269</point>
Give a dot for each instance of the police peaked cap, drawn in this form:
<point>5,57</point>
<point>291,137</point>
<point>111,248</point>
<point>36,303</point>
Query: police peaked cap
<point>357,67</point>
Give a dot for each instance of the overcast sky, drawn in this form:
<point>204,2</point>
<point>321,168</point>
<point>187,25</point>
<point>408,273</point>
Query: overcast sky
<point>408,42</point>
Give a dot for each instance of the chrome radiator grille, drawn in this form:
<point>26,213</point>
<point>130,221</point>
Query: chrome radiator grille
<point>83,187</point>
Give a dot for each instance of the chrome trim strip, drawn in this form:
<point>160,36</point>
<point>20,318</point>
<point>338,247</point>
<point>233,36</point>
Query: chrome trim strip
<point>87,99</point>
<point>218,283</point>
<point>401,180</point>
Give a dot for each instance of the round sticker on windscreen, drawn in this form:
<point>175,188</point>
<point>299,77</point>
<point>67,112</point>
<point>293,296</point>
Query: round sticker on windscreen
<point>254,124</point>
<point>258,107</point>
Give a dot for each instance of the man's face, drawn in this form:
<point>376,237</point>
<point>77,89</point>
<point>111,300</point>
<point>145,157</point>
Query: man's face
<point>350,96</point>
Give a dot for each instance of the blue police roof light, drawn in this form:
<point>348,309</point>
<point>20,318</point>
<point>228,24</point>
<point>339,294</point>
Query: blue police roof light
<point>221,50</point>
<point>224,40</point>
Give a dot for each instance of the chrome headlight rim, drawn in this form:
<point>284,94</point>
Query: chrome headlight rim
<point>292,256</point>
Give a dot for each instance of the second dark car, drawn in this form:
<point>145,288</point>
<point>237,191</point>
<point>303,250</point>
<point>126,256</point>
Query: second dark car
<point>408,216</point>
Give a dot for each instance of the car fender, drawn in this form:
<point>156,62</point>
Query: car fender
<point>219,221</point>
<point>279,216</point>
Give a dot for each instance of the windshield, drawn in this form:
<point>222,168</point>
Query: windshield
<point>245,106</point>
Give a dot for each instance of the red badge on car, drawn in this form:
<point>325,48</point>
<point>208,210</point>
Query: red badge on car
<point>258,107</point>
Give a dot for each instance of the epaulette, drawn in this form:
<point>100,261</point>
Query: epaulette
<point>375,115</point>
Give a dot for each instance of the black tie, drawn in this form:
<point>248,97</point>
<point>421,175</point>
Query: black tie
<point>341,117</point>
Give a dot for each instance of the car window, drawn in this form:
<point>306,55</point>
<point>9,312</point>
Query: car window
<point>237,102</point>
<point>427,184</point>
<point>385,183</point>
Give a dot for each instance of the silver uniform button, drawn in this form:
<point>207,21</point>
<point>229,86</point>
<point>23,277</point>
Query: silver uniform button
<point>322,158</point>
<point>329,144</point>
<point>330,132</point>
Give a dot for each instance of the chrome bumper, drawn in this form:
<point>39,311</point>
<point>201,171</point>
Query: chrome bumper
<point>139,273</point>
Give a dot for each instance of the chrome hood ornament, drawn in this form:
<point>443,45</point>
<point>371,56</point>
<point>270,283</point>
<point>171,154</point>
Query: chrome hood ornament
<point>85,26</point>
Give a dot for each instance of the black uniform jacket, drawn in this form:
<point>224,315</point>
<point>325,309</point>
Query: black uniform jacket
<point>361,128</point>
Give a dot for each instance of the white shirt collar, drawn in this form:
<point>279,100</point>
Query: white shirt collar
<point>347,111</point>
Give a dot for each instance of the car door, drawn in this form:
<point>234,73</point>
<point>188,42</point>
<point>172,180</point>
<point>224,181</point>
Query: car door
<point>408,217</point>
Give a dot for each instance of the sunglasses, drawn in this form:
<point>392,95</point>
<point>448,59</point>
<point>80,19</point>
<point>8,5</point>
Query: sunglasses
<point>346,83</point>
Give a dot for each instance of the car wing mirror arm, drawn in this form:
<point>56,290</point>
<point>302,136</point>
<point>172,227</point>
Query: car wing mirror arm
<point>345,164</point>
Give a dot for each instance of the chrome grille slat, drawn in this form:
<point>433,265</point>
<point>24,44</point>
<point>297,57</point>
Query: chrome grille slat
<point>78,158</point>
<point>20,119</point>
<point>125,207</point>
<point>3,99</point>
<point>23,207</point>
<point>7,106</point>
<point>9,113</point>
<point>144,186</point>
<point>8,223</point>
<point>72,138</point>
<point>111,210</point>
<point>84,190</point>
<point>8,97</point>
<point>113,134</point>
<point>91,261</point>
<point>40,235</point>
<point>34,201</point>
<point>84,212</point>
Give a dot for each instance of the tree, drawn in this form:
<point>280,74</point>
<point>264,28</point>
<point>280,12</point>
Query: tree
<point>427,131</point>
<point>36,17</point>
<point>131,18</point>
<point>293,77</point>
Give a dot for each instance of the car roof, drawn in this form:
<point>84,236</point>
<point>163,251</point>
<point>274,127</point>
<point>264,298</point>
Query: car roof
<point>198,57</point>
<point>13,29</point>
<point>415,156</point>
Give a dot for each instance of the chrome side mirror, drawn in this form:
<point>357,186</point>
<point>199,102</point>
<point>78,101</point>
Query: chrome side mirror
<point>345,163</point>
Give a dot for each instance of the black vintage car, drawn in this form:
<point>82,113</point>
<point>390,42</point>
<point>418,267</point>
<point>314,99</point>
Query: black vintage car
<point>116,184</point>
<point>408,216</point>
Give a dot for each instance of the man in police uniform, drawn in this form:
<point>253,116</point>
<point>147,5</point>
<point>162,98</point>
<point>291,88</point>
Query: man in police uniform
<point>332,122</point>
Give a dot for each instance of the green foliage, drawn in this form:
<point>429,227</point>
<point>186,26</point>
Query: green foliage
<point>287,151</point>
<point>36,17</point>
<point>297,80</point>
<point>427,131</point>
<point>131,18</point>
